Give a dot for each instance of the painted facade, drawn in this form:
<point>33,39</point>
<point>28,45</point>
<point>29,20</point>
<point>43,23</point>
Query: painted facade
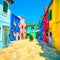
<point>46,25</point>
<point>37,32</point>
<point>30,30</point>
<point>54,23</point>
<point>14,28</point>
<point>41,29</point>
<point>4,23</point>
<point>22,28</point>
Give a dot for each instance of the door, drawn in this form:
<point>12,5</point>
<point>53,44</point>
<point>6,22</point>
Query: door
<point>6,40</point>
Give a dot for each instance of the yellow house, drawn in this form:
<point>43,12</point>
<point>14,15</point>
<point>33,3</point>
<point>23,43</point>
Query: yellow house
<point>54,23</point>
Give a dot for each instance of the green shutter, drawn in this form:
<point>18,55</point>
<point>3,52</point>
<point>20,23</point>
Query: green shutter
<point>5,7</point>
<point>50,15</point>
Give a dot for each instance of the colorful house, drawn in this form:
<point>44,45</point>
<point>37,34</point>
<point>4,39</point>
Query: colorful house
<point>46,25</point>
<point>41,29</point>
<point>4,22</point>
<point>14,28</point>
<point>30,30</point>
<point>54,22</point>
<point>37,32</point>
<point>22,28</point>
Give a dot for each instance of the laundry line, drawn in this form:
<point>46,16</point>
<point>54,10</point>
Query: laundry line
<point>29,31</point>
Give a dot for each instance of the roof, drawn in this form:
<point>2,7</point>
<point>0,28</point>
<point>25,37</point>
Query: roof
<point>50,3</point>
<point>31,24</point>
<point>15,16</point>
<point>10,1</point>
<point>48,8</point>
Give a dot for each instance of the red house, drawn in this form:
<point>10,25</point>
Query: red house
<point>46,25</point>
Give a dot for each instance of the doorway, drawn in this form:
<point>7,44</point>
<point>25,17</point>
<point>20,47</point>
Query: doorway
<point>6,38</point>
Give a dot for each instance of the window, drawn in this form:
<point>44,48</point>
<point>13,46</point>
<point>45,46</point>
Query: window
<point>46,30</point>
<point>32,28</point>
<point>19,25</point>
<point>14,24</point>
<point>22,35</point>
<point>50,33</point>
<point>5,6</point>
<point>46,34</point>
<point>22,26</point>
<point>50,15</point>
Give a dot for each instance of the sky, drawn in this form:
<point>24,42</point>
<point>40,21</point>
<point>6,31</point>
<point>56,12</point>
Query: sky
<point>31,10</point>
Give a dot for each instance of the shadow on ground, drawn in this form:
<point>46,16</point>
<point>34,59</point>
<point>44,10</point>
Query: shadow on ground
<point>49,52</point>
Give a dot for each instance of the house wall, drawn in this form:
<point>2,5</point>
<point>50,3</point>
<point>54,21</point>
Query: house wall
<point>22,29</point>
<point>41,30</point>
<point>4,17</point>
<point>28,28</point>
<point>54,24</point>
<point>4,21</point>
<point>46,25</point>
<point>14,30</point>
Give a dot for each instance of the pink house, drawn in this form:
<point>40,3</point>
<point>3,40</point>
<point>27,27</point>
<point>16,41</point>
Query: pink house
<point>22,28</point>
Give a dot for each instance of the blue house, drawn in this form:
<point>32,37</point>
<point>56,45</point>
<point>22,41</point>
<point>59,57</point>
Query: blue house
<point>41,30</point>
<point>14,28</point>
<point>4,23</point>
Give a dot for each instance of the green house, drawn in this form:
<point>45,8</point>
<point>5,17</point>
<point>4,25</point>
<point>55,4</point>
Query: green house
<point>31,30</point>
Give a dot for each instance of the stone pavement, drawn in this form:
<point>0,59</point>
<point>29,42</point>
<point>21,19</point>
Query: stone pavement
<point>22,50</point>
<point>49,52</point>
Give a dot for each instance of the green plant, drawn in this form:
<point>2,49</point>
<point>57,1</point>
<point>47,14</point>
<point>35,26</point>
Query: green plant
<point>31,38</point>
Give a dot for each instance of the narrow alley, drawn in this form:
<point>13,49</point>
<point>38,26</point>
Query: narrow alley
<point>29,29</point>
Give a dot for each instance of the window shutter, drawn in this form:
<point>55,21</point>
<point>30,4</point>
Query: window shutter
<point>5,7</point>
<point>50,15</point>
